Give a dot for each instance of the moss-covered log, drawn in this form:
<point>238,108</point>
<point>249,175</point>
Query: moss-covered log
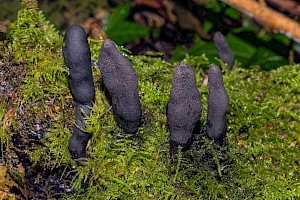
<point>261,160</point>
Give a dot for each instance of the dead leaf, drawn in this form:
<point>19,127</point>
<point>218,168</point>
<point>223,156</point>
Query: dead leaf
<point>157,4</point>
<point>187,20</point>
<point>7,118</point>
<point>6,183</point>
<point>149,18</point>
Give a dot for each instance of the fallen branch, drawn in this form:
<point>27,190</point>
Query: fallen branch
<point>267,17</point>
<point>291,7</point>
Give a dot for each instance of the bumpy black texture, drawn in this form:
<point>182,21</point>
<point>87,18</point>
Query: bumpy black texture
<point>79,138</point>
<point>77,57</point>
<point>218,102</point>
<point>184,107</point>
<point>224,51</point>
<point>121,83</point>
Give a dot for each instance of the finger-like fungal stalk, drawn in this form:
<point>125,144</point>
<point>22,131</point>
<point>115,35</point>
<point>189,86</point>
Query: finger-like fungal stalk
<point>121,83</point>
<point>184,107</point>
<point>218,102</point>
<point>77,55</point>
<point>224,51</point>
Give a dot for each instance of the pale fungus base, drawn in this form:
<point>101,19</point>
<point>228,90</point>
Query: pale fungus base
<point>260,159</point>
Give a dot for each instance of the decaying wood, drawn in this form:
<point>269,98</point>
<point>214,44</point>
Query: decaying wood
<point>267,17</point>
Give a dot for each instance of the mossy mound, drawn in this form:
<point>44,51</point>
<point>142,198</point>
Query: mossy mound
<point>260,161</point>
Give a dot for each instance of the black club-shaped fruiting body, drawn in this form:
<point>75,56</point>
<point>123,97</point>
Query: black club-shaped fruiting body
<point>121,83</point>
<point>77,55</point>
<point>224,51</point>
<point>184,107</point>
<point>218,102</point>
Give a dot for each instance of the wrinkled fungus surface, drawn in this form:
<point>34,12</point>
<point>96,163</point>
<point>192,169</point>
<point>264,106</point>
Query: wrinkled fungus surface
<point>121,82</point>
<point>78,59</point>
<point>184,108</point>
<point>224,51</point>
<point>218,102</point>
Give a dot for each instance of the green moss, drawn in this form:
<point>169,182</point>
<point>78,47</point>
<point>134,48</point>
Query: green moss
<point>261,159</point>
<point>34,42</point>
<point>270,146</point>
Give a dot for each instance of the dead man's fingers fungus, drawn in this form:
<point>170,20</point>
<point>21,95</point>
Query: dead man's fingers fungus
<point>77,55</point>
<point>184,107</point>
<point>121,83</point>
<point>218,102</point>
<point>224,51</point>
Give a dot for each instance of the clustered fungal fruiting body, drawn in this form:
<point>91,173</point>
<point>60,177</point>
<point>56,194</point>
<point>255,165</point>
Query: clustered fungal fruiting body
<point>224,51</point>
<point>184,107</point>
<point>118,76</point>
<point>218,102</point>
<point>121,82</point>
<point>77,57</point>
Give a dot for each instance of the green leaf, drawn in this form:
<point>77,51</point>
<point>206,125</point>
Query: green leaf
<point>233,13</point>
<point>178,54</point>
<point>126,32</point>
<point>198,49</point>
<point>241,49</point>
<point>117,16</point>
<point>122,31</point>
<point>201,47</point>
<point>266,59</point>
<point>243,52</point>
<point>207,26</point>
